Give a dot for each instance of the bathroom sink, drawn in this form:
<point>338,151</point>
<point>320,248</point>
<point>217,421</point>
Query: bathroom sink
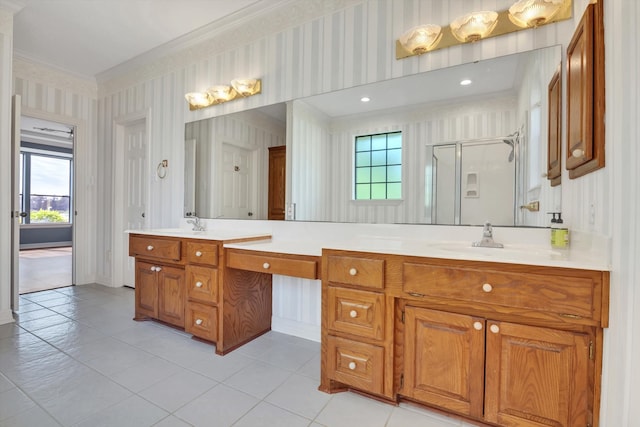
<point>520,252</point>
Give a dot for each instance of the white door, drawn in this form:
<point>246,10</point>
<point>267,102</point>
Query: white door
<point>237,180</point>
<point>16,212</point>
<point>135,187</point>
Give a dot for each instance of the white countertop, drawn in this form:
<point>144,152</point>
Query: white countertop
<point>213,234</point>
<point>511,254</point>
<point>579,256</point>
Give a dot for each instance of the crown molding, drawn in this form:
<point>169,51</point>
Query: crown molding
<point>239,29</point>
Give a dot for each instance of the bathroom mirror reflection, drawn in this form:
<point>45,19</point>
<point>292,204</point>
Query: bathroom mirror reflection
<point>470,153</point>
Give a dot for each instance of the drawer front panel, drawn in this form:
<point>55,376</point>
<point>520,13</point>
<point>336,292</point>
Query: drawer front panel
<point>571,297</point>
<point>356,312</point>
<point>202,253</point>
<point>202,283</point>
<point>201,320</point>
<point>155,248</point>
<point>364,272</point>
<point>356,364</point>
<point>306,269</point>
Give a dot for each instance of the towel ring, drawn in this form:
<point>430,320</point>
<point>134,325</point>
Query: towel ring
<point>161,170</point>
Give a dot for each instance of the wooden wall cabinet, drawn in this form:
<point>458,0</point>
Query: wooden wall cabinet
<point>585,94</point>
<point>500,344</point>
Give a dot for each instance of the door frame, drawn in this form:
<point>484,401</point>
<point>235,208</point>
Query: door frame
<point>79,140</point>
<point>118,237</point>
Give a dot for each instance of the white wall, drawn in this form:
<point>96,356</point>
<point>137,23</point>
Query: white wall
<point>318,46</point>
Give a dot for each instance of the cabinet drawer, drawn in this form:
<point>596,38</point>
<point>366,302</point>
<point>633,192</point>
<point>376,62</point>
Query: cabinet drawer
<point>569,296</point>
<point>356,364</point>
<point>356,312</point>
<point>201,320</point>
<point>155,248</point>
<point>305,268</point>
<point>202,283</point>
<point>366,272</point>
<point>202,253</point>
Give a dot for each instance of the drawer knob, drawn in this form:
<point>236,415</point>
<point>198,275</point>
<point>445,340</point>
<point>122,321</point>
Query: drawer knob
<point>266,265</point>
<point>198,253</point>
<point>153,268</point>
<point>158,268</point>
<point>487,287</point>
<point>353,314</point>
<point>198,321</point>
<point>353,271</point>
<point>477,326</point>
<point>495,329</point>
<point>198,284</point>
<point>150,248</point>
<point>352,366</point>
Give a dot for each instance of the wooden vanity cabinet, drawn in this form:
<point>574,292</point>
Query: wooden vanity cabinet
<point>159,280</point>
<point>357,335</point>
<point>586,94</point>
<point>501,344</point>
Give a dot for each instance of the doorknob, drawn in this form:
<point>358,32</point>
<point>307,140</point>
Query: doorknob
<point>142,214</point>
<point>23,214</point>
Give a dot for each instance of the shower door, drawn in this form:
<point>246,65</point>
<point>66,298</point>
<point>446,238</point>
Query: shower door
<point>472,182</point>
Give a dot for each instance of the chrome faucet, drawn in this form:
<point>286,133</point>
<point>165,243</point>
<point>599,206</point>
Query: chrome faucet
<point>487,238</point>
<point>197,226</point>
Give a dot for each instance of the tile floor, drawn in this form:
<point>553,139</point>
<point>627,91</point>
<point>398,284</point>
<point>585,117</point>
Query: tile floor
<point>74,357</point>
<point>42,269</point>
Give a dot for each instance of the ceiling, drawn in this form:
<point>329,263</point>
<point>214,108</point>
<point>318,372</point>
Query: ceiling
<point>88,37</point>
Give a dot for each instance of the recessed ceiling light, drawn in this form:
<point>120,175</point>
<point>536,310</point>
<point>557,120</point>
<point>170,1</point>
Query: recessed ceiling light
<point>465,82</point>
<point>365,99</point>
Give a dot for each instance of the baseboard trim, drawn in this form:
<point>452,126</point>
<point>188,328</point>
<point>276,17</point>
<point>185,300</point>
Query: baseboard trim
<point>6,316</point>
<point>297,329</point>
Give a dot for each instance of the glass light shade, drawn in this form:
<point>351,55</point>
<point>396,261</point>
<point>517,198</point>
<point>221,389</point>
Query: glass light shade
<point>198,99</point>
<point>474,26</point>
<point>532,13</point>
<point>222,93</point>
<point>246,87</point>
<point>421,39</point>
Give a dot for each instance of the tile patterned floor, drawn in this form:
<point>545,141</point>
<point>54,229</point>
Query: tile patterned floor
<point>42,269</point>
<point>74,357</point>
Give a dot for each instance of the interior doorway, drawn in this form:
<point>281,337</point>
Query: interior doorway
<point>46,204</point>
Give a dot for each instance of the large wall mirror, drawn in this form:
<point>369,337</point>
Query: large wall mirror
<point>470,153</point>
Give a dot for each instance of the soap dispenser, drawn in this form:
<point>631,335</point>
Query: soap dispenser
<point>559,232</point>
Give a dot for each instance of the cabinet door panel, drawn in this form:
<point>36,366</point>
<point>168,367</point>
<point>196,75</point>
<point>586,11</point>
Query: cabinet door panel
<point>146,291</point>
<point>444,360</point>
<point>536,376</point>
<point>171,295</point>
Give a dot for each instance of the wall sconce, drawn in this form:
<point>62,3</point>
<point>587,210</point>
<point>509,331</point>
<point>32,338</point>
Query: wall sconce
<point>475,26</point>
<point>218,94</point>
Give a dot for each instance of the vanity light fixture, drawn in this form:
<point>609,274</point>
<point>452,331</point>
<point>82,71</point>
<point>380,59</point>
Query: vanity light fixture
<point>218,94</point>
<point>421,39</point>
<point>533,13</point>
<point>247,87</point>
<point>474,26</point>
